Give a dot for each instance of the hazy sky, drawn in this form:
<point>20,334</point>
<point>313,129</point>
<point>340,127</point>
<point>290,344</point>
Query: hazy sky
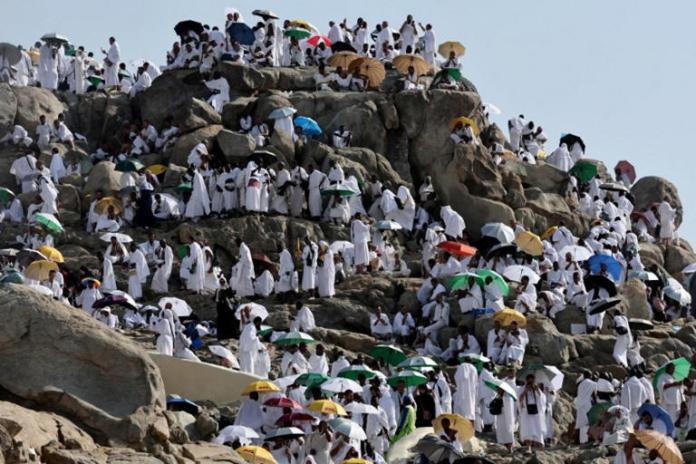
<point>618,73</point>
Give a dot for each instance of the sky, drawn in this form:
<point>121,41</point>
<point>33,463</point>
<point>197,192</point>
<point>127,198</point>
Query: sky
<point>618,73</point>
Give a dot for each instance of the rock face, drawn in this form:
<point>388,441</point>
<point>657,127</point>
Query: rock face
<point>32,102</point>
<point>652,189</point>
<point>59,357</point>
<point>105,177</point>
<point>8,108</point>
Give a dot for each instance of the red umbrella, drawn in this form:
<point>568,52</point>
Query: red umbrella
<point>457,248</point>
<point>263,263</point>
<point>316,39</point>
<point>624,167</point>
<point>282,402</point>
<point>295,417</point>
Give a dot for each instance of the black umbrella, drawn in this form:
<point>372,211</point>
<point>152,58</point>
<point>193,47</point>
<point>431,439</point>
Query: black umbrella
<point>241,33</point>
<point>602,306</point>
<point>487,243</point>
<point>502,250</point>
<point>184,27</point>
<point>614,187</point>
<point>113,300</point>
<point>597,281</point>
<point>28,255</point>
<point>263,156</point>
<point>177,403</point>
<point>570,140</point>
<point>437,450</point>
<point>640,324</point>
<point>265,14</point>
<point>342,47</point>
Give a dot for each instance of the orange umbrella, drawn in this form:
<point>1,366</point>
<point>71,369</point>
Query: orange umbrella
<point>370,68</point>
<point>403,62</point>
<point>456,248</point>
<point>664,445</point>
<point>463,426</point>
<point>624,167</point>
<point>102,205</point>
<point>343,59</point>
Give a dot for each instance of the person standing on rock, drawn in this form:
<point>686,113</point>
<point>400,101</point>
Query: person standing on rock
<point>670,392</point>
<point>532,403</point>
<point>243,272</point>
<point>166,328</point>
<point>667,216</point>
<point>199,202</point>
<point>317,180</point>
<point>310,254</point>
<point>464,398</point>
<point>249,345</point>
<point>624,339</point>
<point>584,399</point>
<point>111,62</point>
<point>326,271</point>
<point>164,258</point>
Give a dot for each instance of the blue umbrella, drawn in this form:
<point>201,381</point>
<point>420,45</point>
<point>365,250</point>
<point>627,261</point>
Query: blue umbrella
<point>240,32</point>
<point>613,266</point>
<point>282,112</point>
<point>658,413</point>
<point>308,125</point>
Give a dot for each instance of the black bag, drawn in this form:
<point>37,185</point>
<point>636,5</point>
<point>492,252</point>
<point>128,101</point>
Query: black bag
<point>496,406</point>
<point>621,330</point>
<point>532,409</point>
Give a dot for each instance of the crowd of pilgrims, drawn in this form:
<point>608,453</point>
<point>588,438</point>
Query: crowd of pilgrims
<point>505,275</point>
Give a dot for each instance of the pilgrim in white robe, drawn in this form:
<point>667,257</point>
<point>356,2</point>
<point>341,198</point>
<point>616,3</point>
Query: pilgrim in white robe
<point>48,67</point>
<point>317,179</point>
<point>199,203</point>
<point>196,279</point>
<point>160,280</point>
<point>454,223</point>
<point>326,274</point>
<point>560,158</point>
<point>360,236</point>
<point>287,280</point>
<point>263,285</point>
<point>108,279</point>
<point>244,273</point>
<point>222,93</point>
<point>249,345</point>
<point>464,399</point>
<point>113,56</point>
<point>310,254</point>
<point>165,328</point>
<point>532,426</point>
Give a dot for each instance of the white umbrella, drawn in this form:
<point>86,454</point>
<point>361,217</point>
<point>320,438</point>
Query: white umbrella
<point>41,289</point>
<point>224,353</point>
<point>348,428</point>
<point>171,202</point>
<point>577,252</point>
<point>340,385</point>
<point>515,273</point>
<point>179,306</point>
<point>676,292</point>
<point>123,294</point>
<point>122,238</point>
<point>388,225</point>
<point>341,246</point>
<point>256,310</point>
<point>690,269</point>
<point>361,408</point>
<point>232,433</point>
<point>284,382</point>
<point>492,109</point>
<point>550,375</point>
<point>498,230</point>
<point>230,10</point>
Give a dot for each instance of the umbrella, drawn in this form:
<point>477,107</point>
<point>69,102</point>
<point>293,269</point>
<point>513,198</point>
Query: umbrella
<point>403,62</point>
<point>682,367</point>
<point>409,378</point>
<point>11,252</point>
<point>49,221</point>
<point>490,107</point>
<point>614,187</point>
<point>317,39</point>
<point>12,277</point>
<point>91,280</point>
<point>664,445</point>
<point>497,280</point>
<point>437,450</point>
<point>361,408</point>
<point>6,195</point>
<point>308,125</point>
<point>54,39</point>
<point>690,269</point>
<point>577,252</point>
<point>327,407</point>
<point>549,375</point>
<point>184,187</point>
<point>241,33</point>
<point>502,249</point>
<point>348,428</point>
<point>495,384</point>
<point>338,189</point>
<point>584,171</point>
<point>598,281</point>
<point>604,305</point>
<point>354,372</point>
<point>262,263</point>
<point>463,426</point>
<point>342,59</point>
<point>294,338</point>
<point>613,267</point>
<point>10,53</point>
<point>51,254</point>
<point>456,248</point>
<point>507,316</point>
<point>297,33</point>
<point>115,300</point>
<point>182,28</point>
<point>549,232</point>
<point>130,165</point>
<point>530,243</point>
<point>255,310</point>
<point>461,280</point>
<point>156,169</point>
<point>624,167</point>
<point>177,403</point>
<point>388,225</point>
<point>256,455</point>
<point>95,80</point>
<point>179,306</point>
<point>448,47</point>
<point>265,14</point>
<point>282,112</point>
<point>390,354</point>
<point>597,411</point>
<point>515,273</point>
<point>282,402</point>
<point>340,385</point>
<point>570,140</point>
<point>260,386</point>
<point>39,270</point>
<point>102,206</point>
<point>340,246</point>
<point>304,24</point>
<point>464,121</point>
<point>224,353</point>
<point>121,238</point>
<point>311,379</point>
<point>640,324</point>
<point>263,156</point>
<point>502,232</point>
<point>417,363</point>
<point>454,73</point>
<point>657,413</point>
<point>675,291</point>
<point>370,68</point>
<point>232,433</point>
<point>284,432</point>
<point>339,47</point>
<point>27,255</point>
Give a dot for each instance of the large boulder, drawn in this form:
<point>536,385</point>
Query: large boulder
<point>234,145</point>
<point>363,163</point>
<point>245,79</point>
<point>103,176</point>
<point>677,258</point>
<point>8,108</point>
<point>635,300</point>
<point>546,344</point>
<point>364,122</point>
<point>551,209</point>
<point>542,175</point>
<point>471,166</point>
<point>233,110</point>
<point>652,189</point>
<point>194,114</point>
<point>32,102</point>
<point>59,357</point>
<point>651,253</point>
<point>178,154</point>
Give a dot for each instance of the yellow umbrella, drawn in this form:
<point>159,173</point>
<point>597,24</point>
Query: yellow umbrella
<point>38,270</point>
<point>463,426</point>
<point>156,169</point>
<point>549,232</point>
<point>102,205</point>
<point>256,455</point>
<point>51,254</point>
<point>664,445</point>
<point>464,121</point>
<point>403,62</point>
<point>507,316</point>
<point>370,68</point>
<point>530,243</point>
<point>343,59</point>
<point>451,46</point>
<point>327,407</point>
<point>304,24</point>
<point>260,386</point>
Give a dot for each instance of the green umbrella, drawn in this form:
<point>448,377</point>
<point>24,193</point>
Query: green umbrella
<point>298,33</point>
<point>12,277</point>
<point>6,195</point>
<point>497,279</point>
<point>95,80</point>
<point>454,73</point>
<point>461,280</point>
<point>390,354</point>
<point>184,187</point>
<point>49,221</point>
<point>417,363</point>
<point>682,367</point>
<point>584,171</point>
<point>182,251</point>
<point>130,165</point>
<point>265,330</point>
<point>353,372</point>
<point>311,379</point>
<point>494,384</point>
<point>410,378</point>
<point>294,338</point>
<point>477,360</point>
<point>341,190</point>
<point>597,411</point>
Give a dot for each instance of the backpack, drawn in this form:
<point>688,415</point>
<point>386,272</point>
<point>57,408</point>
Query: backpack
<point>495,407</point>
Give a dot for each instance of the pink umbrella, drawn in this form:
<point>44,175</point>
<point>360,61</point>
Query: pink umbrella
<point>316,39</point>
<point>624,167</point>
